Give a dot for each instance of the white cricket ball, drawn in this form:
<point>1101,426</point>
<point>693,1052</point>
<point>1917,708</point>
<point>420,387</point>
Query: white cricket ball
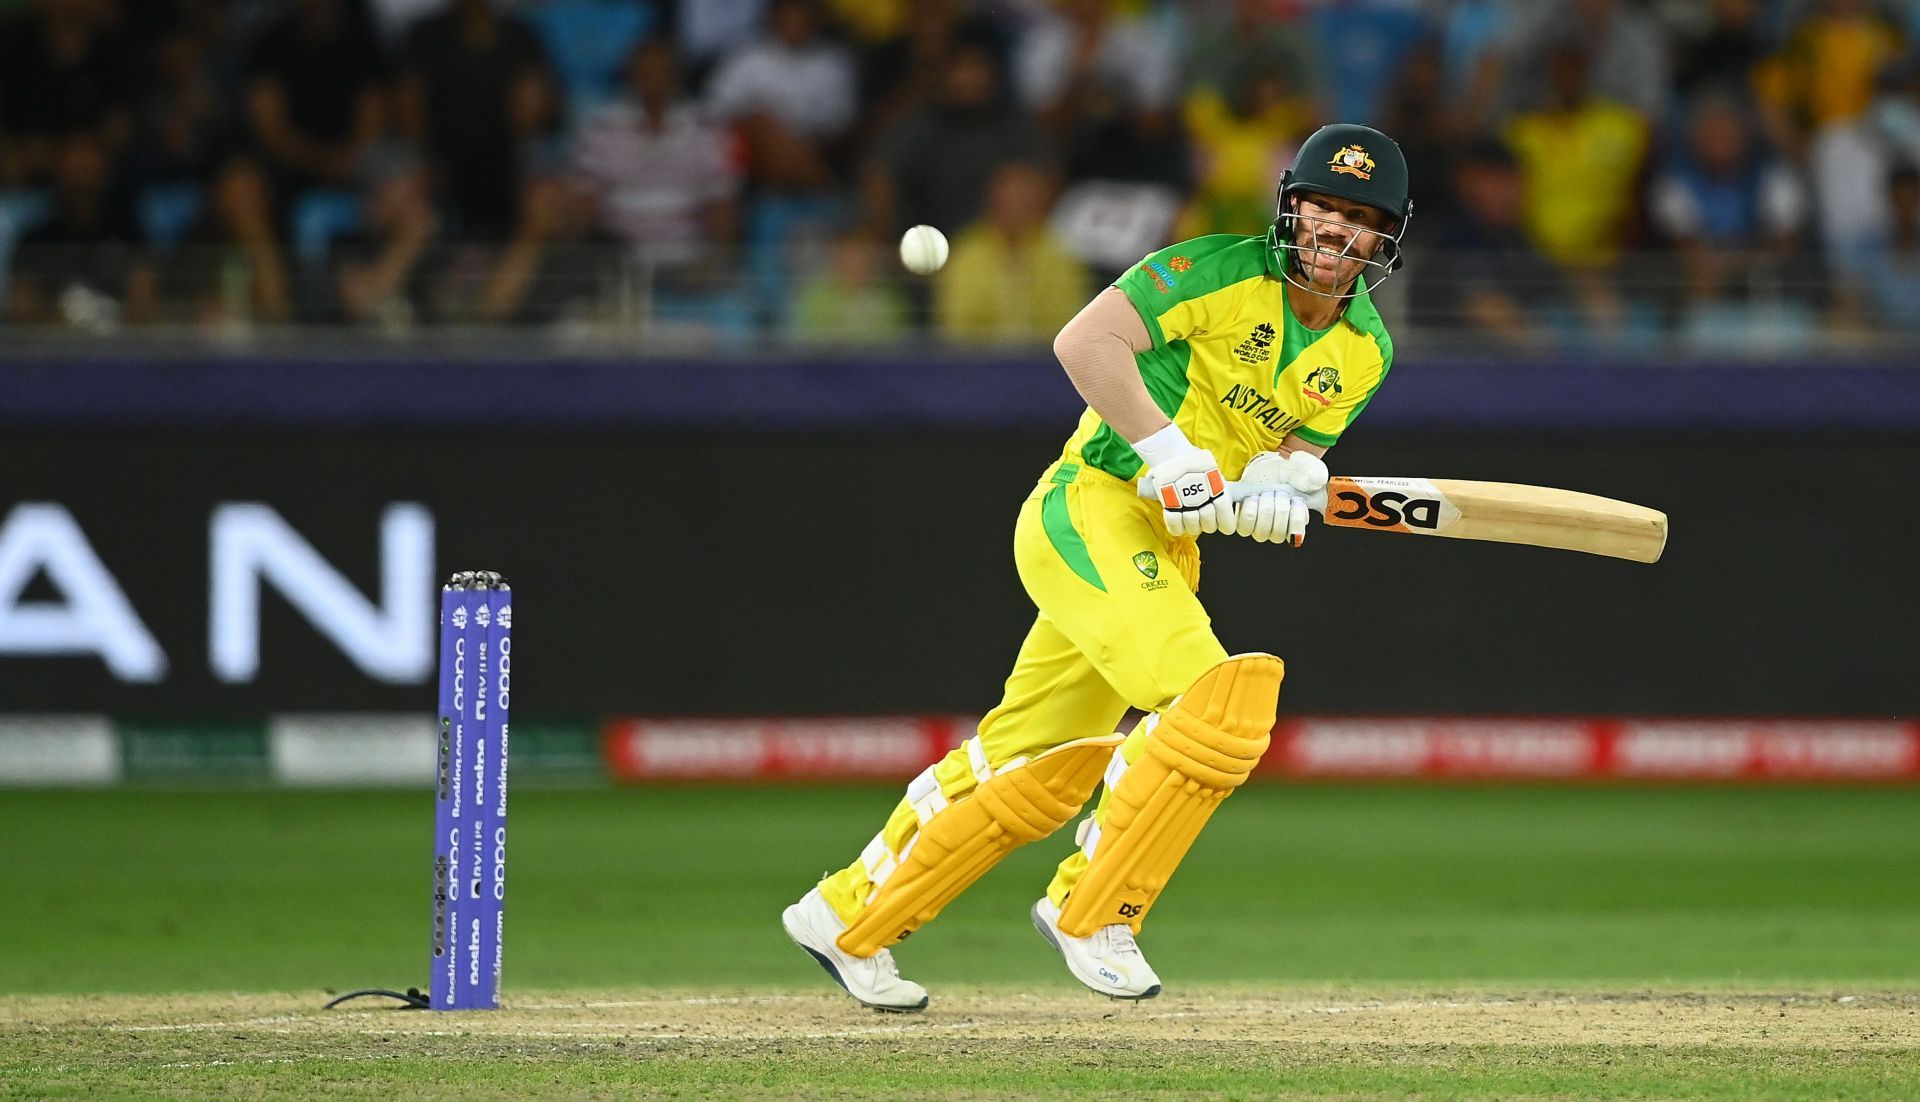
<point>923,250</point>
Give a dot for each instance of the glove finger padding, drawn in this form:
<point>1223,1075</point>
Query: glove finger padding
<point>1177,523</point>
<point>1217,515</point>
<point>1297,520</point>
<point>1259,516</point>
<point>1223,515</point>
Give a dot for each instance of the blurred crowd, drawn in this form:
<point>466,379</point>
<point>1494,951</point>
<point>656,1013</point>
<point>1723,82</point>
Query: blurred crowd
<point>1718,173</point>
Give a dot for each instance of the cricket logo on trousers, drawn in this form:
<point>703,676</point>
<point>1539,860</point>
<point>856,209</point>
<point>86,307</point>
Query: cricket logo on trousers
<point>1148,564</point>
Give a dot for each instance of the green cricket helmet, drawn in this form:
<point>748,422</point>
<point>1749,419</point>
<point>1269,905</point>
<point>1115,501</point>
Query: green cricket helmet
<point>1348,161</point>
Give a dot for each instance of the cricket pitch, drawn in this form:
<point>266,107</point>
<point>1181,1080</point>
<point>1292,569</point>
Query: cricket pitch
<point>1210,1042</point>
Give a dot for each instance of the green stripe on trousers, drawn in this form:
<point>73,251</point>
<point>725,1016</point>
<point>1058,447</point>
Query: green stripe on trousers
<point>1065,540</point>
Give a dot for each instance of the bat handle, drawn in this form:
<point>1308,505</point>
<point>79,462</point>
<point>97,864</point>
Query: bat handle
<point>1317,501</point>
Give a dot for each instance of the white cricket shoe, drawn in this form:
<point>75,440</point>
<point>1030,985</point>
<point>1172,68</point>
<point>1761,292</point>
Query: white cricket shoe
<point>874,981</point>
<point>1109,961</point>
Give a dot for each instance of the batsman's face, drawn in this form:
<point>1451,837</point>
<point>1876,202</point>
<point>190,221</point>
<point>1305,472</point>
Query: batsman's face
<point>1336,237</point>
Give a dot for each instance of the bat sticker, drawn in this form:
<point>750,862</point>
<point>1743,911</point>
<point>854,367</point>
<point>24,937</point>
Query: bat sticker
<point>1386,509</point>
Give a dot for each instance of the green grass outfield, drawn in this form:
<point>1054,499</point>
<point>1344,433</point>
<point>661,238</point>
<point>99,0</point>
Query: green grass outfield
<point>1367,896</point>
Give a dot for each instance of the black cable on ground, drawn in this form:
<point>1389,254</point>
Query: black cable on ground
<point>412,998</point>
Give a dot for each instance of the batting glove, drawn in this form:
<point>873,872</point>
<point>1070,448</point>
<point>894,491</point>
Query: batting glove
<point>1187,483</point>
<point>1276,510</point>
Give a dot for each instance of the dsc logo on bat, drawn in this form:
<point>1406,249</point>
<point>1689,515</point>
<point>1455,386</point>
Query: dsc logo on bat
<point>1384,509</point>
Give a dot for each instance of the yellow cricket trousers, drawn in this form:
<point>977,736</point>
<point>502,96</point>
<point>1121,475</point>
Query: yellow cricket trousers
<point>1119,626</point>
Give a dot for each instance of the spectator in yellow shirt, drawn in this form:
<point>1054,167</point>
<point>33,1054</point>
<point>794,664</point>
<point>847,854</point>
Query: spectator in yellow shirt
<point>1009,280</point>
<point>1239,147</point>
<point>1579,157</point>
<point>1815,96</point>
<point>1825,75</point>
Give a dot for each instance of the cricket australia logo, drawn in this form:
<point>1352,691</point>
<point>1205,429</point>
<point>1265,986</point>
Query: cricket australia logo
<point>1322,382</point>
<point>1148,564</point>
<point>1353,160</point>
<point>1258,347</point>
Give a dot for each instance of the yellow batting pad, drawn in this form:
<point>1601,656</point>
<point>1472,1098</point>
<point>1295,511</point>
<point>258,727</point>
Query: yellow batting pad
<point>1197,752</point>
<point>963,839</point>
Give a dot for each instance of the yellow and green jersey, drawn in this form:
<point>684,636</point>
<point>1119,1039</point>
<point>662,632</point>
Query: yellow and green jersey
<point>1230,365</point>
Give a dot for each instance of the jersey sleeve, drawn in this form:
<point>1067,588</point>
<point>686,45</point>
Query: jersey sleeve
<point>1175,289</point>
<point>1350,398</point>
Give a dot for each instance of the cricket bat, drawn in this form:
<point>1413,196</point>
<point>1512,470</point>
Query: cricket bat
<point>1502,512</point>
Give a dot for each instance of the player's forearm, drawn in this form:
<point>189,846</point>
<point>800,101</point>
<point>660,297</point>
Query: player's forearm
<point>1097,348</point>
<point>1295,444</point>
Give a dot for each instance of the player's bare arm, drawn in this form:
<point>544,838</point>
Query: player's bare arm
<point>1097,349</point>
<point>1296,444</point>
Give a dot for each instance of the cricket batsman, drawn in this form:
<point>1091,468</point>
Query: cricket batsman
<point>1209,355</point>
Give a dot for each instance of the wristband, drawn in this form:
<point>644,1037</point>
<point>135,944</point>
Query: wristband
<point>1162,445</point>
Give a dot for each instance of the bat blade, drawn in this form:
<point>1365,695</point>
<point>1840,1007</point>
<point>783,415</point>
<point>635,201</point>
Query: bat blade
<point>1503,512</point>
<point>1500,512</point>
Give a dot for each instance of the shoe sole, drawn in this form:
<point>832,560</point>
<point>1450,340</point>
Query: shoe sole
<point>788,922</point>
<point>1046,931</point>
